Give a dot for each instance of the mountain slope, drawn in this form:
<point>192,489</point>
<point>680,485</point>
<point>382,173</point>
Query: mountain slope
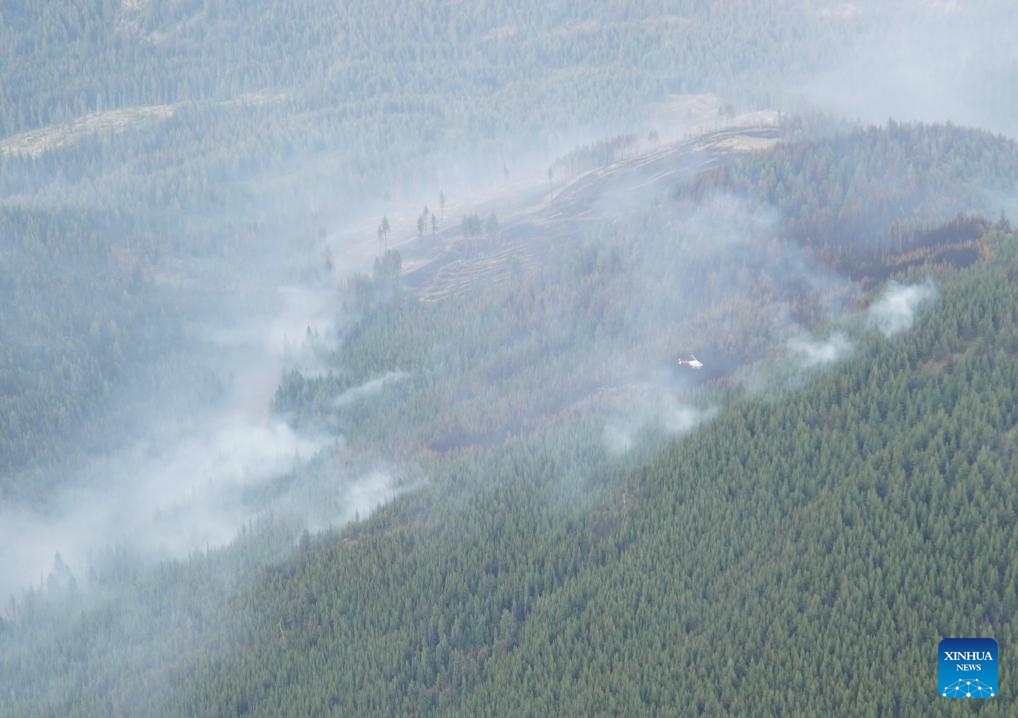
<point>806,515</point>
<point>774,562</point>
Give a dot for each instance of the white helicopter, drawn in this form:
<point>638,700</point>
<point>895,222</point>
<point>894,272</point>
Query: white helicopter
<point>692,361</point>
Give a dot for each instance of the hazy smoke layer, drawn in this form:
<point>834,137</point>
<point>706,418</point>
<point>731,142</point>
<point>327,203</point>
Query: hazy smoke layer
<point>929,61</point>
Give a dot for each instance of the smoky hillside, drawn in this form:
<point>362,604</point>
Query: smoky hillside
<point>340,355</point>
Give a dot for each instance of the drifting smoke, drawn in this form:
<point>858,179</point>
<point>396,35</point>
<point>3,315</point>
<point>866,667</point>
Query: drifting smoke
<point>204,467</point>
<point>715,278</point>
<point>369,388</point>
<point>895,311</point>
<point>353,500</point>
<point>814,352</point>
<point>650,409</point>
<point>177,491</point>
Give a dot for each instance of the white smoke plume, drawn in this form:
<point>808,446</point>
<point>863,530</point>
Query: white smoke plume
<point>650,410</point>
<point>895,311</point>
<point>817,352</point>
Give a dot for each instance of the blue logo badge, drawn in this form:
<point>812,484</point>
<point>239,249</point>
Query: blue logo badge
<point>967,668</point>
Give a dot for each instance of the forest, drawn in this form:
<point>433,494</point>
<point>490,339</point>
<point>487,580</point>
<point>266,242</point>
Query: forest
<point>837,532</point>
<point>275,441</point>
<point>527,573</point>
